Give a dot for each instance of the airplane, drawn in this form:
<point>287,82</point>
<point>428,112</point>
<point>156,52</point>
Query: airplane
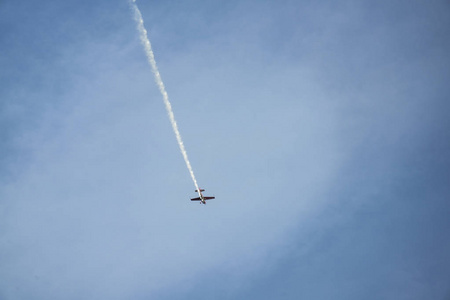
<point>201,198</point>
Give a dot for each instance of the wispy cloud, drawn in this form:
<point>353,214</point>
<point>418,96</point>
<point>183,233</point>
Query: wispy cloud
<point>322,137</point>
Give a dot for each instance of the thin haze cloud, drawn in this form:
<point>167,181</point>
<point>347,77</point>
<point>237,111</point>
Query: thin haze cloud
<point>328,133</point>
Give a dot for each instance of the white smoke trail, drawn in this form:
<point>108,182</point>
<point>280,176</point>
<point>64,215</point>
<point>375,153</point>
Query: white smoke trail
<point>151,60</point>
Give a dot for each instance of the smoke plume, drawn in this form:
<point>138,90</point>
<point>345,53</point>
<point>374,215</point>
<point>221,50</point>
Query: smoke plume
<point>151,60</point>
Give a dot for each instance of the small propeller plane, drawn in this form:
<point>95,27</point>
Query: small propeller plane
<point>201,198</point>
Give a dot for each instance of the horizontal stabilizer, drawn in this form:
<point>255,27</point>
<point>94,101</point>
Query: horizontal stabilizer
<point>201,190</point>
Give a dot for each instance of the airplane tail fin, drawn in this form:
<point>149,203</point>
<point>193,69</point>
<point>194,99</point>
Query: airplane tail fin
<point>201,190</point>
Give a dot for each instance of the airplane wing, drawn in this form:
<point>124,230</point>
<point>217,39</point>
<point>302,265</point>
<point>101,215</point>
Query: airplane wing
<point>206,198</point>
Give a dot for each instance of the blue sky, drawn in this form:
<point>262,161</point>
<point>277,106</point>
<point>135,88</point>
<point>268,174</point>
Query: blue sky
<point>321,127</point>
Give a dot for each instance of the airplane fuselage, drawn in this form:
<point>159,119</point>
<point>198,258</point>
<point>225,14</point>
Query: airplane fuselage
<point>202,201</point>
